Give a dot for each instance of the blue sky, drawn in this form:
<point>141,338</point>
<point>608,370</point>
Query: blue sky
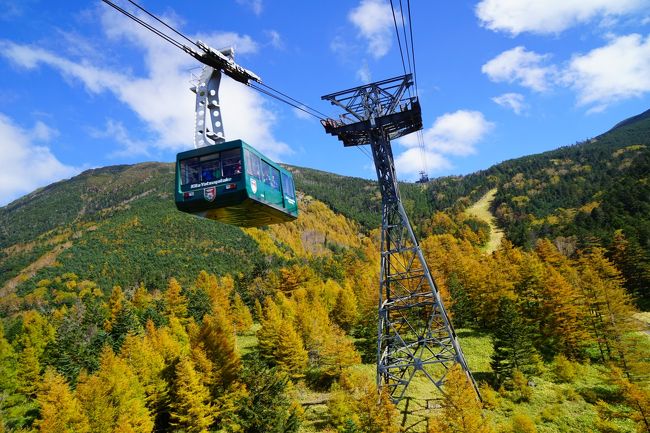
<point>82,86</point>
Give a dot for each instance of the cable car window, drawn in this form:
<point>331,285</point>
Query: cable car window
<point>275,179</point>
<point>266,173</point>
<point>200,169</point>
<point>287,186</point>
<point>252,164</point>
<point>231,162</point>
<point>190,171</point>
<point>210,167</point>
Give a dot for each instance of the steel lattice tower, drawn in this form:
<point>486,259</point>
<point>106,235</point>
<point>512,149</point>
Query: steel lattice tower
<point>414,331</point>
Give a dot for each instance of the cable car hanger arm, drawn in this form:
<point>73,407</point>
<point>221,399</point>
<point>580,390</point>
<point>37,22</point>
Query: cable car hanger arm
<point>223,61</point>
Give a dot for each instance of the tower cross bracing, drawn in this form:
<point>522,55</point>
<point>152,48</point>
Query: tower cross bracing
<point>415,335</point>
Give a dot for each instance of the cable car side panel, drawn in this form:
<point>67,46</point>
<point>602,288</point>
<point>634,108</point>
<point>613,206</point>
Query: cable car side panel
<point>233,183</point>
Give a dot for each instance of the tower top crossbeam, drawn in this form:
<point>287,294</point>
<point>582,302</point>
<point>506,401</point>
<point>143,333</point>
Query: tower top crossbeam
<point>382,105</point>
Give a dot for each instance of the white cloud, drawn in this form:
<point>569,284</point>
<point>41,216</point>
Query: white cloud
<point>455,133</point>
<point>129,146</point>
<point>374,22</point>
<point>161,97</point>
<point>616,71</point>
<point>300,113</point>
<point>523,67</point>
<point>339,46</point>
<point>256,6</point>
<point>363,73</point>
<point>25,163</point>
<point>549,16</point>
<point>512,101</point>
<point>275,39</point>
<point>408,164</point>
<point>42,132</point>
<point>10,9</point>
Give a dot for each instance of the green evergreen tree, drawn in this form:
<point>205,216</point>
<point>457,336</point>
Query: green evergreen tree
<point>513,347</point>
<point>126,322</point>
<point>79,339</point>
<point>634,265</point>
<point>267,407</point>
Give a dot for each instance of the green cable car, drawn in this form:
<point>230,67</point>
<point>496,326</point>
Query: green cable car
<point>233,183</point>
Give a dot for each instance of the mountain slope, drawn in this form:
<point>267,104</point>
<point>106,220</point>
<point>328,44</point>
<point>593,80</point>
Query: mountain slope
<point>549,194</point>
<point>118,214</point>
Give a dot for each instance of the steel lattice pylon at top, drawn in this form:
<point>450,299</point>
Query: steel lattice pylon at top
<point>414,332</point>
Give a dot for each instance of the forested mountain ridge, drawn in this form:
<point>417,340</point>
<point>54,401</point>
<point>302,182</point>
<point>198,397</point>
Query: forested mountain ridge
<point>119,313</point>
<point>552,194</point>
<point>577,195</point>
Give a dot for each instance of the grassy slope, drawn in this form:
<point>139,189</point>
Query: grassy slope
<point>554,406</point>
<point>477,348</point>
<point>481,210</point>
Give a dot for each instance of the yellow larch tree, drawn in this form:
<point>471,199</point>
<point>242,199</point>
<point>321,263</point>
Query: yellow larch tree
<point>611,318</point>
<point>219,290</point>
<point>141,297</point>
<point>330,351</point>
<point>217,340</point>
<point>28,373</point>
<point>175,302</point>
<point>241,317</point>
<point>461,409</point>
<point>113,398</point>
<point>115,304</point>
<point>191,411</point>
<point>290,355</point>
<point>566,326</point>
<point>267,335</point>
<point>60,411</point>
<point>345,311</point>
<point>148,365</point>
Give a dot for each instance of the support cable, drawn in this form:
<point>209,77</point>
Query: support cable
<point>406,42</point>
<point>415,76</point>
<point>294,100</point>
<point>399,41</point>
<point>410,56</point>
<point>300,106</point>
<point>260,87</point>
<point>269,91</point>
<point>162,22</point>
<point>146,25</point>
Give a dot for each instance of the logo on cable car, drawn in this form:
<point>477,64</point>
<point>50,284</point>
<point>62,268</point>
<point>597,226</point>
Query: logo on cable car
<point>210,193</point>
<point>254,186</point>
<point>214,182</point>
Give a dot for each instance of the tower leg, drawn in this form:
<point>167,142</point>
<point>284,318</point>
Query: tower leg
<point>415,335</point>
